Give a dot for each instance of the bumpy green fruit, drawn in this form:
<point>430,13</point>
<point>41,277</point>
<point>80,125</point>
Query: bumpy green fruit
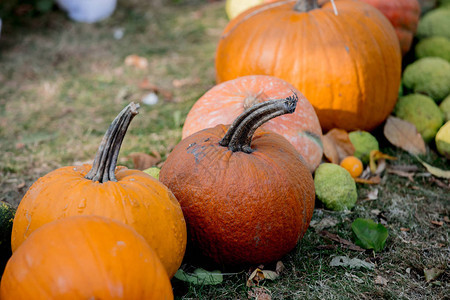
<point>153,171</point>
<point>437,46</point>
<point>443,140</point>
<point>429,76</point>
<point>445,108</point>
<point>364,143</point>
<point>335,187</point>
<point>423,112</point>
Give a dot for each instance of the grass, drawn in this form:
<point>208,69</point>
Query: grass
<point>62,83</point>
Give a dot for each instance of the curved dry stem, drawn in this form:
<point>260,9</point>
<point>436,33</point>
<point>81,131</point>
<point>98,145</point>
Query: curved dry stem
<point>105,162</point>
<point>240,134</point>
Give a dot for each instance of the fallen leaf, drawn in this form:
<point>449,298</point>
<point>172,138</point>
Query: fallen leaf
<point>136,61</point>
<point>343,242</point>
<point>258,275</point>
<point>404,229</point>
<point>404,135</point>
<point>329,150</point>
<point>372,195</point>
<point>147,85</point>
<point>279,268</point>
<point>354,277</point>
<point>376,155</point>
<point>177,83</point>
<point>340,139</point>
<point>373,180</point>
<point>324,223</point>
<point>434,170</point>
<point>437,223</point>
<point>352,263</point>
<point>432,274</point>
<point>404,168</point>
<point>259,293</point>
<point>400,173</point>
<point>369,235</point>
<point>440,183</point>
<point>200,277</point>
<point>142,161</point>
<point>381,280</point>
<point>447,219</point>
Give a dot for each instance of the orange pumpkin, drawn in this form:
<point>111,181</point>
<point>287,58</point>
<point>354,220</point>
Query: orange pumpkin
<point>347,65</point>
<point>130,196</point>
<point>85,257</point>
<point>247,196</point>
<point>225,101</point>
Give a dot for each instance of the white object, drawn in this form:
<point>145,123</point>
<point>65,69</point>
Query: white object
<point>88,11</point>
<point>150,99</point>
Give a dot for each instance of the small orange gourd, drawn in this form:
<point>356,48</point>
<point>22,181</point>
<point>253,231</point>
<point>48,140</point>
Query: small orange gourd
<point>130,196</point>
<point>245,192</point>
<point>85,257</point>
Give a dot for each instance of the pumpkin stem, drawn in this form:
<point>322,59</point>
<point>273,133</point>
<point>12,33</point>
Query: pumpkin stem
<point>305,5</point>
<point>105,162</point>
<point>239,135</point>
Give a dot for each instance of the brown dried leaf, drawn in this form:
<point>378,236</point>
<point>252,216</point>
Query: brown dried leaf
<point>372,180</point>
<point>136,61</point>
<point>432,274</point>
<point>279,268</point>
<point>381,280</point>
<point>147,85</point>
<point>342,142</point>
<point>404,135</point>
<point>344,243</point>
<point>258,275</point>
<point>437,223</point>
<point>259,293</point>
<point>329,150</point>
<point>142,161</point>
<point>410,176</point>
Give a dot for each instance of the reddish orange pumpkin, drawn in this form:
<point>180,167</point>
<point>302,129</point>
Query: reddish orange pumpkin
<point>246,194</point>
<point>130,196</point>
<point>347,65</point>
<point>225,101</point>
<point>404,16</point>
<point>85,257</point>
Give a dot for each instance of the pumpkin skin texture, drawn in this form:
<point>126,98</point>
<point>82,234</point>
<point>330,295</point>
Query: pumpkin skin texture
<point>135,198</point>
<point>85,257</point>
<point>225,101</point>
<point>241,207</point>
<point>404,16</point>
<point>347,65</point>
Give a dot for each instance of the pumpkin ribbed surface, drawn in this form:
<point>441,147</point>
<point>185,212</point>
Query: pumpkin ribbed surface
<point>241,208</point>
<point>85,257</point>
<point>225,101</point>
<point>130,196</point>
<point>347,65</point>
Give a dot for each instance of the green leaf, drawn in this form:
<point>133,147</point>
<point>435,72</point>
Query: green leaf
<point>369,235</point>
<point>200,276</point>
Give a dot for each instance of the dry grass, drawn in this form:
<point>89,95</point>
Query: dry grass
<point>62,83</point>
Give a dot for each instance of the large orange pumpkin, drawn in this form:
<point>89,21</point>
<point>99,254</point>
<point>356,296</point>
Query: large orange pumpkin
<point>85,257</point>
<point>225,101</point>
<point>347,65</point>
<point>130,196</point>
<point>247,196</point>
